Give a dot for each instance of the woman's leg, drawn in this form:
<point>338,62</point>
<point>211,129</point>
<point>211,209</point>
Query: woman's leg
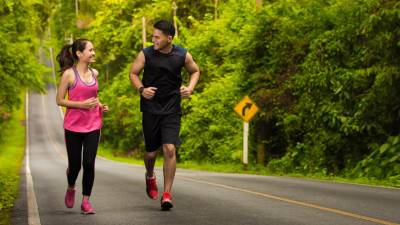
<point>90,144</point>
<point>73,142</point>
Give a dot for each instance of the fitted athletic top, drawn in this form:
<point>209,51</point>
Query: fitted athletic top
<point>83,120</point>
<point>163,71</point>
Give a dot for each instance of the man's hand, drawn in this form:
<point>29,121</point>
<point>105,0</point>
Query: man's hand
<point>149,92</point>
<point>186,92</point>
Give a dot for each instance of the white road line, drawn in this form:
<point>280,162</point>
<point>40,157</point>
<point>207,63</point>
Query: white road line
<point>33,212</point>
<point>293,202</point>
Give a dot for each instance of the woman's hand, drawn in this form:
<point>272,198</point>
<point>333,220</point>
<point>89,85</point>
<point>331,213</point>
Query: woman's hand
<point>90,103</point>
<point>104,108</point>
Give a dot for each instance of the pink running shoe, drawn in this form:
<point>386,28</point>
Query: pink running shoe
<point>86,207</point>
<point>166,202</point>
<point>70,198</point>
<point>151,187</point>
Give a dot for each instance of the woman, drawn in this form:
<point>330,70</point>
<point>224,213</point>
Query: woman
<point>83,118</point>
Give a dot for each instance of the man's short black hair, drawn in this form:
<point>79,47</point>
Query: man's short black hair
<point>166,27</point>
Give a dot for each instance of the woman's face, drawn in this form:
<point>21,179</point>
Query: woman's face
<point>88,54</point>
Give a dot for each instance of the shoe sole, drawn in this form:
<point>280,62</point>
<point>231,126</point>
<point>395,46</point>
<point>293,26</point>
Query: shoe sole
<point>87,213</point>
<point>165,206</point>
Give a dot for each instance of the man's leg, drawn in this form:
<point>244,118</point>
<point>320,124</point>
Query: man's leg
<point>169,166</point>
<point>149,161</point>
<point>170,127</point>
<point>151,182</point>
<point>152,139</point>
<point>169,169</point>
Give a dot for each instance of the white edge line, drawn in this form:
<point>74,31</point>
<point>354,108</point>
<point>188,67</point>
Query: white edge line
<point>33,212</point>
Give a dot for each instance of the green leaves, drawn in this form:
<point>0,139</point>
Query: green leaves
<point>324,73</point>
<point>211,131</point>
<point>21,24</point>
<point>382,163</point>
<point>122,124</point>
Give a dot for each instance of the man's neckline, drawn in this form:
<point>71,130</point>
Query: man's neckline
<point>168,53</point>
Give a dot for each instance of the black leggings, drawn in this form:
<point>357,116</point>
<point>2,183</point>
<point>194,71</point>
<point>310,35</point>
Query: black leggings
<point>74,142</point>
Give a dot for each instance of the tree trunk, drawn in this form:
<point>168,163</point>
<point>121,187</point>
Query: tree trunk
<point>258,4</point>
<point>260,136</point>
<point>260,153</point>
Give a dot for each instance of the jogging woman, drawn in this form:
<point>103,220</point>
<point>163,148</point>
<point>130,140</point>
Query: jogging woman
<point>83,118</point>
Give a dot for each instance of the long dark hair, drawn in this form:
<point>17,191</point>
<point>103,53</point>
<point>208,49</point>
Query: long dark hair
<point>67,58</point>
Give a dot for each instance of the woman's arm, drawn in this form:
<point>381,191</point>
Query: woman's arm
<point>67,79</point>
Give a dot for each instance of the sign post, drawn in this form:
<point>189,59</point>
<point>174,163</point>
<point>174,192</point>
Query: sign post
<point>246,109</point>
<point>245,142</point>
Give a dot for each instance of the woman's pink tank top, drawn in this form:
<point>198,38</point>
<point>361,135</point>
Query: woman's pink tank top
<point>83,120</point>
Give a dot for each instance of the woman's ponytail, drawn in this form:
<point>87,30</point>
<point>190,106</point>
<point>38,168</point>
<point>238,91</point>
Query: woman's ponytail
<point>68,56</point>
<point>65,58</point>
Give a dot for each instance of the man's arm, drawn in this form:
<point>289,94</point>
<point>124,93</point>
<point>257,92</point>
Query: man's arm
<point>137,66</point>
<point>194,71</point>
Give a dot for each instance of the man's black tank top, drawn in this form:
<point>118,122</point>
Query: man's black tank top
<point>163,71</point>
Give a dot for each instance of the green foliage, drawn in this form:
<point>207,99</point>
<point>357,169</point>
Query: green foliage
<point>205,128</point>
<point>21,22</point>
<point>346,89</point>
<point>324,73</point>
<point>122,124</point>
<point>210,119</point>
<point>383,163</point>
<point>11,155</point>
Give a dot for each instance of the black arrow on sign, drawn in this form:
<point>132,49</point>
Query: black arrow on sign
<point>247,106</point>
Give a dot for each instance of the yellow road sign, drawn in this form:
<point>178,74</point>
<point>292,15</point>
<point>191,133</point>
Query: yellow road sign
<point>246,109</point>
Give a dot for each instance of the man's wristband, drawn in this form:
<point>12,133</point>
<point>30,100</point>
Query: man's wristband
<point>141,89</point>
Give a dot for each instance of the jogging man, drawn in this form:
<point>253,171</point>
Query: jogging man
<point>161,91</point>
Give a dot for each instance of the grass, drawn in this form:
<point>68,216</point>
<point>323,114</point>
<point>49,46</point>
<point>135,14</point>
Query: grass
<point>119,156</point>
<point>239,168</point>
<point>12,149</point>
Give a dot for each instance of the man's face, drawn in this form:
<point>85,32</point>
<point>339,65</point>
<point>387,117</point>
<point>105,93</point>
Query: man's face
<point>160,40</point>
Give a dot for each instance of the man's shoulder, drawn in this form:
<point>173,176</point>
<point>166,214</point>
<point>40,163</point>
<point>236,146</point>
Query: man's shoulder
<point>180,50</point>
<point>148,50</point>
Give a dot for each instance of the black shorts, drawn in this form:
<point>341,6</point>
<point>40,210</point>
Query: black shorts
<point>160,129</point>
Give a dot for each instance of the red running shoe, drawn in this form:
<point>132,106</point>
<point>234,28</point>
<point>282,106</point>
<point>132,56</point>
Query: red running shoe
<point>166,202</point>
<point>151,187</point>
<point>86,207</point>
<point>69,198</point>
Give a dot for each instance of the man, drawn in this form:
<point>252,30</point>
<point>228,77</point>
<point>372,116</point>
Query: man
<point>161,91</point>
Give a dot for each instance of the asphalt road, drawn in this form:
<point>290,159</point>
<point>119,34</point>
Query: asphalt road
<point>199,197</point>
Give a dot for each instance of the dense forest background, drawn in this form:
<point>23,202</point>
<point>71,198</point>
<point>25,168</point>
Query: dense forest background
<point>325,74</point>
